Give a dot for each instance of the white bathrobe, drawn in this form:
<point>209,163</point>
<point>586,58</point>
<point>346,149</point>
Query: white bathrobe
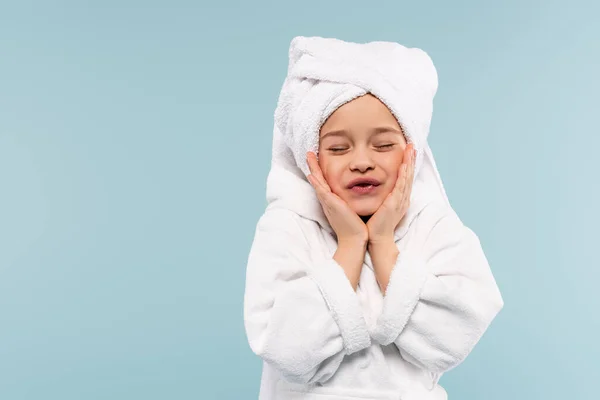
<point>321,340</point>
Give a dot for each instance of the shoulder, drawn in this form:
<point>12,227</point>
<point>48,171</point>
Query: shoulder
<point>434,214</point>
<point>439,223</point>
<point>279,218</point>
<point>282,223</point>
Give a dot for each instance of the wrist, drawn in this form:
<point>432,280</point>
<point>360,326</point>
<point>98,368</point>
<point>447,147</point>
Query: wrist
<point>350,256</point>
<point>384,255</point>
<point>383,252</point>
<point>353,242</point>
<point>381,242</point>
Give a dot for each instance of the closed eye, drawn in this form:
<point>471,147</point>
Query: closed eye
<point>340,149</point>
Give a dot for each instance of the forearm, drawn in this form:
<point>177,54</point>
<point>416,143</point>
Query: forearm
<point>441,295</point>
<point>289,291</point>
<point>350,256</point>
<point>384,256</point>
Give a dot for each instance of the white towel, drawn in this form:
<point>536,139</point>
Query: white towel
<point>325,73</point>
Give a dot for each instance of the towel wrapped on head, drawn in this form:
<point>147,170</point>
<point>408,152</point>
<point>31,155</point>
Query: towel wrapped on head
<point>325,73</point>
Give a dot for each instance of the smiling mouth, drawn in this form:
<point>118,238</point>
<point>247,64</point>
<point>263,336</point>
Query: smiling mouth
<point>363,188</point>
<point>365,184</point>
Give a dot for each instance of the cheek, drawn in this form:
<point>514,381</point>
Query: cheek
<point>333,174</point>
<point>392,165</point>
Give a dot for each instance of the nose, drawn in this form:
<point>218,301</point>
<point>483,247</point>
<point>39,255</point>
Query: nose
<point>362,160</point>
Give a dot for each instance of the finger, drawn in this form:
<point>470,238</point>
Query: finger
<point>409,164</point>
<point>405,176</point>
<point>400,177</point>
<point>403,166</point>
<point>409,181</point>
<point>400,182</point>
<point>323,191</point>
<point>310,159</point>
<point>411,174</point>
<point>322,195</point>
<point>313,182</point>
<point>316,170</point>
<point>317,186</point>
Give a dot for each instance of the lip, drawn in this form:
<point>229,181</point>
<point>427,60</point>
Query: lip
<point>362,190</point>
<point>369,181</point>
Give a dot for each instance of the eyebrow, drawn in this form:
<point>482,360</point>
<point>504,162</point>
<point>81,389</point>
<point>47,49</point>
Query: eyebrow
<point>374,131</point>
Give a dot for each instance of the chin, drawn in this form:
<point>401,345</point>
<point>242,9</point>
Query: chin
<point>365,212</point>
<point>366,208</point>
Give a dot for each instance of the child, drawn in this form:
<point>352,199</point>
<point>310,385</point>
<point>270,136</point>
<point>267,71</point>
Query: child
<point>362,282</point>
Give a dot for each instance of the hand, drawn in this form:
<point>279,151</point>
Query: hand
<point>345,222</point>
<point>382,224</point>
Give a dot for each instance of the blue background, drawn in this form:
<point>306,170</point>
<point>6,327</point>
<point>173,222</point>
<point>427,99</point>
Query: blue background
<point>135,141</point>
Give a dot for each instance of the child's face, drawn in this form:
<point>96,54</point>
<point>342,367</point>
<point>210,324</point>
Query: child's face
<point>361,151</point>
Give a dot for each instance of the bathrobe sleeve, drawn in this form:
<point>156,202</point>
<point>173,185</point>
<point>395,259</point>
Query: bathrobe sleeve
<point>441,296</point>
<point>301,313</point>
